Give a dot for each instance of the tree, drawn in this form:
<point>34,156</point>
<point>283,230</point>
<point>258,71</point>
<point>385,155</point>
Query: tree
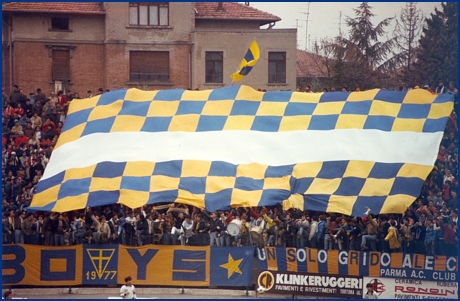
<point>362,58</point>
<point>438,52</point>
<point>365,36</point>
<point>324,51</point>
<point>407,33</point>
<point>315,85</point>
<point>350,67</point>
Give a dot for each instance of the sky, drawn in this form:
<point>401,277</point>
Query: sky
<point>324,17</point>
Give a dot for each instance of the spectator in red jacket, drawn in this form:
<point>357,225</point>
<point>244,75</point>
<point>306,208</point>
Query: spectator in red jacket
<point>21,138</point>
<point>61,98</point>
<point>450,242</point>
<point>48,125</point>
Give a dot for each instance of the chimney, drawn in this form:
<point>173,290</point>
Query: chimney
<point>220,6</point>
<point>246,3</point>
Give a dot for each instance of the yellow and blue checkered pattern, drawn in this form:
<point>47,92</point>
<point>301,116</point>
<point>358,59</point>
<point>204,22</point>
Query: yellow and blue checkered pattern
<point>341,186</point>
<point>242,108</point>
<point>249,60</point>
<point>336,186</point>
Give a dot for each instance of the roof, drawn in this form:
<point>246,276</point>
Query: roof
<point>55,7</point>
<point>310,64</point>
<point>232,11</point>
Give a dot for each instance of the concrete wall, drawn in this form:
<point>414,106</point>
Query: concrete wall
<point>32,63</point>
<point>101,46</point>
<point>234,45</point>
<point>33,27</point>
<point>87,68</point>
<point>226,25</point>
<point>121,38</point>
<point>118,28</point>
<point>32,67</point>
<point>117,66</point>
<point>6,82</point>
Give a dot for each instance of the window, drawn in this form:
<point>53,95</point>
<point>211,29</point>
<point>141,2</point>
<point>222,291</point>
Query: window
<point>148,66</point>
<point>149,14</point>
<point>277,67</point>
<point>214,67</point>
<point>60,23</point>
<point>61,65</point>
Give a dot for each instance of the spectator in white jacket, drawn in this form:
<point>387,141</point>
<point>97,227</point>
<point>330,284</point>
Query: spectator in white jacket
<point>312,242</point>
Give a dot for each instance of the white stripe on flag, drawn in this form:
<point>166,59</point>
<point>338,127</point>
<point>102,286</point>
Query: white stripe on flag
<point>242,147</point>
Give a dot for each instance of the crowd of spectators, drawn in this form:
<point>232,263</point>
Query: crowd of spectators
<point>31,126</point>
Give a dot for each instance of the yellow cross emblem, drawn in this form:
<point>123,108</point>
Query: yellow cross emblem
<point>100,258</point>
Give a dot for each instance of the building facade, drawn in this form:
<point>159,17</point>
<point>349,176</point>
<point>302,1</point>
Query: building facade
<point>80,46</point>
<point>224,31</point>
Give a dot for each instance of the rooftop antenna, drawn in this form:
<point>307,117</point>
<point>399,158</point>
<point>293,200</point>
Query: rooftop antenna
<point>298,26</point>
<point>306,27</point>
<point>313,42</point>
<point>340,23</point>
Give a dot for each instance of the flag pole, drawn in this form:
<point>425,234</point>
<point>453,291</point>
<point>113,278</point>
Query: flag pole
<point>231,84</point>
<point>237,69</point>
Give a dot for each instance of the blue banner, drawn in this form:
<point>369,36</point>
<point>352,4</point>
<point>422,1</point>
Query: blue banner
<point>100,264</point>
<point>105,264</point>
<point>231,266</point>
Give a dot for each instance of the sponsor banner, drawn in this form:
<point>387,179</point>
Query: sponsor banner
<point>356,263</point>
<point>403,288</point>
<point>311,284</point>
<point>109,264</point>
<point>41,265</point>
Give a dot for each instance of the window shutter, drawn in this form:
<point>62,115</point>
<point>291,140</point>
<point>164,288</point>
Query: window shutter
<point>149,65</point>
<point>161,63</point>
<point>61,65</point>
